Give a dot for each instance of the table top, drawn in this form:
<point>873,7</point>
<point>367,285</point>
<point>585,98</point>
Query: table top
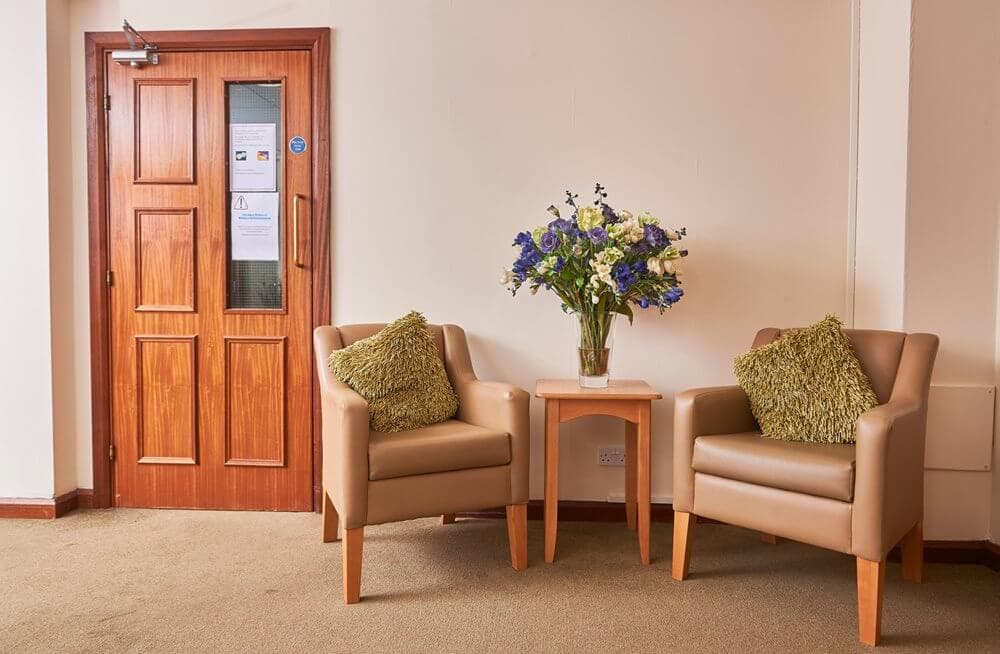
<point>618,389</point>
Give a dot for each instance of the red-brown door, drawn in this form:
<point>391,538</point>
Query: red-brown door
<point>209,209</point>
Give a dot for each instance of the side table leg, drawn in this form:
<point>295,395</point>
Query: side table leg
<point>551,477</point>
<point>643,474</point>
<point>631,482</point>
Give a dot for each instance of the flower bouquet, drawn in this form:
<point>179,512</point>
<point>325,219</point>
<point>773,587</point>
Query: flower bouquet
<point>599,262</point>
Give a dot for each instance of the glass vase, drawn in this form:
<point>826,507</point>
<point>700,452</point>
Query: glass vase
<point>596,338</point>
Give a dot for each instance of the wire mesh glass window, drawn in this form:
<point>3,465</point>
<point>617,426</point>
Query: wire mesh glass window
<point>255,222</point>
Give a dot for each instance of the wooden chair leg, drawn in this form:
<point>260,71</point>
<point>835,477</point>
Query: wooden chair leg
<point>871,578</point>
<point>448,519</point>
<point>683,530</point>
<point>331,521</point>
<point>770,539</point>
<point>517,535</point>
<point>912,546</point>
<point>352,548</point>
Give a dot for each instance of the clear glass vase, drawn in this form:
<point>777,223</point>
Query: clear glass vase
<point>596,331</point>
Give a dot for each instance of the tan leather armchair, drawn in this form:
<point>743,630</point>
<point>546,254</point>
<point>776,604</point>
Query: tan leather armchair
<point>859,499</point>
<point>478,460</point>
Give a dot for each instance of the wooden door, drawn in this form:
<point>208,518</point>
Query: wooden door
<point>210,311</point>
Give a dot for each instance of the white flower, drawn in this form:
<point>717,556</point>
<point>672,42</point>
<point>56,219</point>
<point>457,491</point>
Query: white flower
<point>655,265</point>
<point>507,277</point>
<point>602,273</point>
<point>625,216</point>
<point>595,299</point>
<point>671,234</point>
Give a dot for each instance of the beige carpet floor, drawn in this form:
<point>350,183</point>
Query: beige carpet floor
<point>188,581</point>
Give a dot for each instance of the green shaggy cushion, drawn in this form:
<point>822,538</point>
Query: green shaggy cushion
<point>400,373</point>
<point>807,385</point>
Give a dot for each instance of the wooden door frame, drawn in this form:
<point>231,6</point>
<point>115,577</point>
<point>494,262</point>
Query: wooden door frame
<point>98,44</point>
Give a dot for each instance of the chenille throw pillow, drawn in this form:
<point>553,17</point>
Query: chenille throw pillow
<point>399,372</point>
<point>807,385</point>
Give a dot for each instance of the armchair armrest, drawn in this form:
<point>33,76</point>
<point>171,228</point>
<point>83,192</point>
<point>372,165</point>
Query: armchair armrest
<point>495,405</point>
<point>503,407</point>
<point>345,437</point>
<point>703,412</point>
<point>889,470</point>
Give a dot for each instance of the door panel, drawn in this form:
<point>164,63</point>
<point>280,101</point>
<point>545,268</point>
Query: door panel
<point>165,260</point>
<point>255,401</point>
<point>211,399</point>
<point>166,399</point>
<point>164,131</point>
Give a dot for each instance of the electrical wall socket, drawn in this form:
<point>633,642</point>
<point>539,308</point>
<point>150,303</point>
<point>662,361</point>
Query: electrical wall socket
<point>611,456</point>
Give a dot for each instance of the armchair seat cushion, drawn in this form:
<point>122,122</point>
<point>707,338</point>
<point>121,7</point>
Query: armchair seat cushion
<point>820,469</point>
<point>441,447</point>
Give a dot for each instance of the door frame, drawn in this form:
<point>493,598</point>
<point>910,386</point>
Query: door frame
<point>97,45</point>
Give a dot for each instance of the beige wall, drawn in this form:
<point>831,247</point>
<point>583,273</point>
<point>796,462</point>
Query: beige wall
<point>954,197</point>
<point>65,302</point>
<point>883,99</point>
<point>456,124</point>
<point>26,450</point>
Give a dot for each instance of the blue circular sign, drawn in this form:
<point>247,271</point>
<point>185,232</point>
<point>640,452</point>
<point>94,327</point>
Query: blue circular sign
<point>297,145</point>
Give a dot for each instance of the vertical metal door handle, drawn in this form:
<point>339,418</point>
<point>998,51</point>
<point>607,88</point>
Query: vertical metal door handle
<point>295,229</point>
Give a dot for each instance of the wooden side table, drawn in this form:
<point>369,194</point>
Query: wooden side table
<point>630,400</point>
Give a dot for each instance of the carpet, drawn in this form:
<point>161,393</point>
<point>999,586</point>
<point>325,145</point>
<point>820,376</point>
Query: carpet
<point>203,581</point>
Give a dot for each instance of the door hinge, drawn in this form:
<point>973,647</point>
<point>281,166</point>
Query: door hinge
<point>111,452</point>
<point>107,102</point>
<point>109,278</point>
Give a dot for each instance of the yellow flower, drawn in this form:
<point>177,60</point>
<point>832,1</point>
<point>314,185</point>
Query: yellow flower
<point>587,218</point>
<point>609,256</point>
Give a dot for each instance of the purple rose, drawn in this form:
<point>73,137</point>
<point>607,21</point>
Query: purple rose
<point>549,241</point>
<point>598,235</point>
<point>656,237</point>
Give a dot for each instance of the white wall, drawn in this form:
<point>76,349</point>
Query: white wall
<point>951,247</point>
<point>456,124</point>
<point>26,452</point>
<point>883,106</point>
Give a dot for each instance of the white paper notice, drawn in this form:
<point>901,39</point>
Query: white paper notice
<point>251,157</point>
<point>254,230</point>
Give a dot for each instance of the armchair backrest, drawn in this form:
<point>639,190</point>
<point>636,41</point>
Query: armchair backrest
<point>881,354</point>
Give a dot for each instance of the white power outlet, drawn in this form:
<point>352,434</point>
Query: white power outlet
<point>611,456</point>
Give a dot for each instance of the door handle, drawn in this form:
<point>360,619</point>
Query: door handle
<point>295,229</point>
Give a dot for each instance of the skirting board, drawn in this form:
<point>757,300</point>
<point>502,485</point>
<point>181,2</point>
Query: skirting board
<point>980,552</point>
<point>46,509</point>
